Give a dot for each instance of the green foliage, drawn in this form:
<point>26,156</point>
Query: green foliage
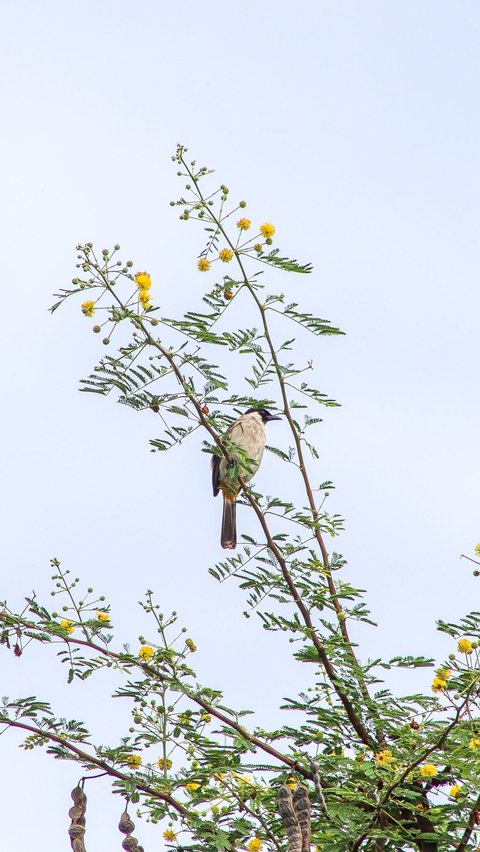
<point>378,766</point>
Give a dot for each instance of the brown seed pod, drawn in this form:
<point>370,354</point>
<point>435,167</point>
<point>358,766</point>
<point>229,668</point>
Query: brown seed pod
<point>289,819</point>
<point>126,825</point>
<point>318,790</point>
<point>301,806</point>
<point>228,295</point>
<point>76,831</point>
<point>130,844</point>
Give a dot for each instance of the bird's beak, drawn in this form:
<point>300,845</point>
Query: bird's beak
<point>273,417</point>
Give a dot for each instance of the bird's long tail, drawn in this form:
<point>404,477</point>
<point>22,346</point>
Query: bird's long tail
<point>228,537</point>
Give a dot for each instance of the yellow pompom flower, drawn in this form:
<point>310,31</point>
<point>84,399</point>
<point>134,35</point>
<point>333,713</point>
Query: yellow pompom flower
<point>226,255</point>
<point>455,790</point>
<point>267,230</point>
<point>164,763</point>
<point>206,718</point>
<point>477,548</point>
<point>168,834</point>
<point>474,744</point>
<point>102,616</point>
<point>146,653</point>
<point>144,298</point>
<point>143,281</point>
<point>438,684</point>
<point>428,770</point>
<point>133,760</point>
<point>88,308</point>
<point>254,845</point>
<point>67,625</point>
<point>384,758</point>
<point>191,645</point>
<point>465,646</point>
<point>243,224</point>
<point>442,673</point>
<point>192,785</point>
<point>203,264</point>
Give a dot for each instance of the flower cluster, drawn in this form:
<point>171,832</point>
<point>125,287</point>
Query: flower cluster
<point>88,308</point>
<point>226,254</point>
<point>439,683</point>
<point>168,834</point>
<point>102,616</point>
<point>267,230</point>
<point>428,770</point>
<point>146,653</point>
<point>384,758</point>
<point>143,282</point>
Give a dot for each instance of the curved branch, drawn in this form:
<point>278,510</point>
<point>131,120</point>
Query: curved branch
<point>102,764</point>
<point>153,672</point>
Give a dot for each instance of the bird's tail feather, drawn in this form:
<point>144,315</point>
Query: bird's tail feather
<point>228,537</point>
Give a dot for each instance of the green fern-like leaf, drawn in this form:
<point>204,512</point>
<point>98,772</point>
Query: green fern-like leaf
<point>286,263</point>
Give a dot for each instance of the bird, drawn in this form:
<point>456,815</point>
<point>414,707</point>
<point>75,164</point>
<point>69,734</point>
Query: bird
<point>248,434</point>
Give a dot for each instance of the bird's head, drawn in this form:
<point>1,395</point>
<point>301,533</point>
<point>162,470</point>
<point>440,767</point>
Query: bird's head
<point>264,414</point>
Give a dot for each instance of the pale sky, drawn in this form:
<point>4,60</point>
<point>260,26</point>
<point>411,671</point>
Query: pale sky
<point>354,127</point>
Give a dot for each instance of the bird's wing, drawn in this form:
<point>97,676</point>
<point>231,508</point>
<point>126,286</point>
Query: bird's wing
<point>215,475</point>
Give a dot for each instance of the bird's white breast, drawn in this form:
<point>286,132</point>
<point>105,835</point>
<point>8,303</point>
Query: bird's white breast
<point>248,433</point>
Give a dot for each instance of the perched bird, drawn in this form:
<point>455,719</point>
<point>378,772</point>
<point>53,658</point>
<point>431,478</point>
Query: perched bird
<point>248,434</point>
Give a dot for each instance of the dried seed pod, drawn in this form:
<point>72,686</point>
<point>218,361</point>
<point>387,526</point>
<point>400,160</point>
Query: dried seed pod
<point>130,844</point>
<point>318,790</point>
<point>289,819</point>
<point>301,806</point>
<point>126,825</point>
<point>76,831</point>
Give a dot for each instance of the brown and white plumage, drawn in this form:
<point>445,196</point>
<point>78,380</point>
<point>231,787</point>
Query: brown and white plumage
<point>247,433</point>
